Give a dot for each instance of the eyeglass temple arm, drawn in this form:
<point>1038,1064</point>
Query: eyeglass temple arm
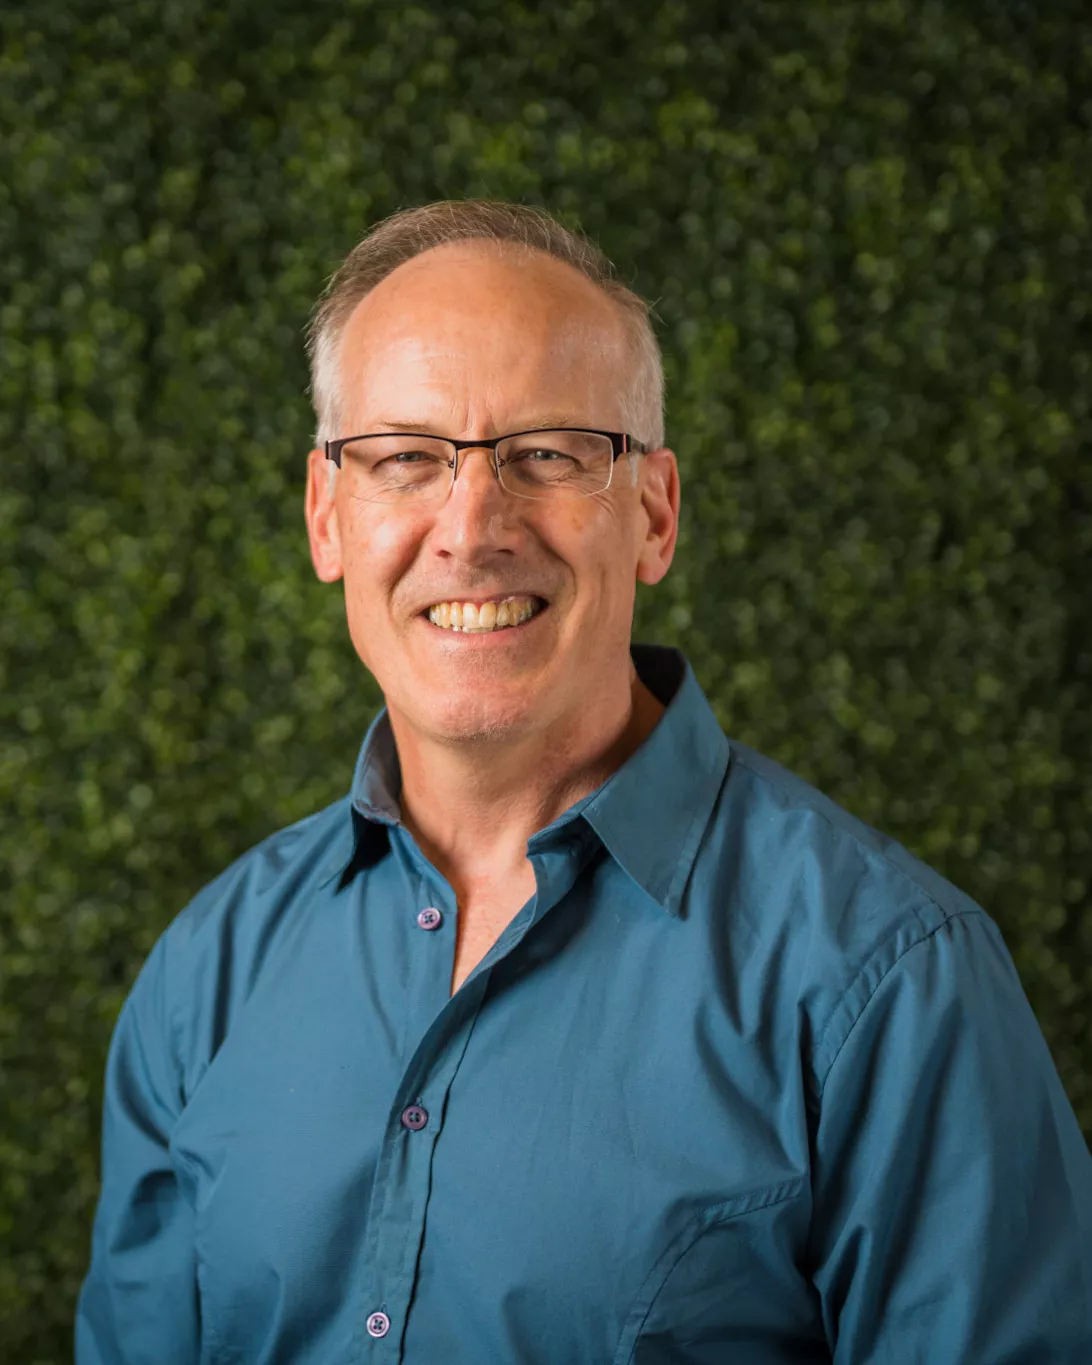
<point>629,446</point>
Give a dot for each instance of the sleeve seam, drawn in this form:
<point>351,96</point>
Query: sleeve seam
<point>949,916</point>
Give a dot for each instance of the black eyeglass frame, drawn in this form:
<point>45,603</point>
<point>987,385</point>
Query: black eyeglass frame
<point>621,443</point>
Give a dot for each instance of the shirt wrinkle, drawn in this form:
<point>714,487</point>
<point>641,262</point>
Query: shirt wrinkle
<point>369,1170</point>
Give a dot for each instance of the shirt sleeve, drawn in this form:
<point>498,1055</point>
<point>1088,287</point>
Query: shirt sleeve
<point>139,1303</point>
<point>952,1185</point>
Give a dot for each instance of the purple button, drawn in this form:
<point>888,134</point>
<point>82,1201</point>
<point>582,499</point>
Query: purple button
<point>429,918</point>
<point>414,1117</point>
<point>378,1325</point>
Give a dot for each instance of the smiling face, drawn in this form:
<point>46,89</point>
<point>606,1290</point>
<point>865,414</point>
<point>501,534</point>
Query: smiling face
<point>473,341</point>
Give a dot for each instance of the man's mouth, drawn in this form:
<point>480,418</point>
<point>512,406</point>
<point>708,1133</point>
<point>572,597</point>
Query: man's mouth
<point>479,618</point>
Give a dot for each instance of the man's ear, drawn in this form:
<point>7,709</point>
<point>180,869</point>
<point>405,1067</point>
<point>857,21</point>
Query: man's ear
<point>660,496</point>
<point>323,527</point>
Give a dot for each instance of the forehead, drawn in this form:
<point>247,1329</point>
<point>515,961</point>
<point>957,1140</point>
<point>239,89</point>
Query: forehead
<point>495,320</point>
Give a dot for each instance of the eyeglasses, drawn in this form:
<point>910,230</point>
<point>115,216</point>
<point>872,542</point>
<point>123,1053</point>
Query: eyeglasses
<point>404,466</point>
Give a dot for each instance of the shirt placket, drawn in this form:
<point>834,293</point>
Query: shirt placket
<point>402,1185</point>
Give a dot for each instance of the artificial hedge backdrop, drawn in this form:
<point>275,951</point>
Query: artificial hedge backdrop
<point>866,229</point>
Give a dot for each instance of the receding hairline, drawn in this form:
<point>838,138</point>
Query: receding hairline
<point>478,225</point>
<point>571,284</point>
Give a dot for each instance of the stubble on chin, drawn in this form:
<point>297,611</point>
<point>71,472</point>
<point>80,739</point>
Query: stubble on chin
<point>475,710</point>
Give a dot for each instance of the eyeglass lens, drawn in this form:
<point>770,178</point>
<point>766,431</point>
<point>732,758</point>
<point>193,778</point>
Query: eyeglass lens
<point>541,464</point>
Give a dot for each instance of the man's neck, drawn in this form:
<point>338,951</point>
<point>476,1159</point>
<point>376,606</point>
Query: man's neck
<point>473,807</point>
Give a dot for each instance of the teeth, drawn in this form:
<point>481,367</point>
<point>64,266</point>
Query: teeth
<point>475,620</point>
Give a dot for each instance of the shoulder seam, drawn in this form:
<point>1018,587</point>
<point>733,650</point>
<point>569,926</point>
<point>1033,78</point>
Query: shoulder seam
<point>922,893</point>
<point>949,916</point>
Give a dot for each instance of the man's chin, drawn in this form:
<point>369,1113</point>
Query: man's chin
<point>482,724</point>
<point>474,718</point>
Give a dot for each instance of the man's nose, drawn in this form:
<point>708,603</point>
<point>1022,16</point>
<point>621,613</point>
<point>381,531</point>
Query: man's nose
<point>477,516</point>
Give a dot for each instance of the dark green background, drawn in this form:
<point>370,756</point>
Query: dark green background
<point>866,227</point>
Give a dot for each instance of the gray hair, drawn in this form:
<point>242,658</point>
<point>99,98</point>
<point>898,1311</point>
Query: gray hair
<point>402,236</point>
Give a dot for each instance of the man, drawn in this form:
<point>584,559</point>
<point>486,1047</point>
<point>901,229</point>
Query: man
<point>575,1032</point>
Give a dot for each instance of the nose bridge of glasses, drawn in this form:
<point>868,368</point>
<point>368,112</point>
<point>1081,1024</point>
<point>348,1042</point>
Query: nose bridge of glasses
<point>463,449</point>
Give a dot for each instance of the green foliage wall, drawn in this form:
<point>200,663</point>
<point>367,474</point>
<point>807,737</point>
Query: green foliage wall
<point>866,226</point>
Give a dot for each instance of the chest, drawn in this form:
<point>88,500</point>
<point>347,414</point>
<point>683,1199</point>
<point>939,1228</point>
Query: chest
<point>592,1163</point>
<point>484,913</point>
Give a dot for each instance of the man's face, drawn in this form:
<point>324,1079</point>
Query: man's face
<point>469,341</point>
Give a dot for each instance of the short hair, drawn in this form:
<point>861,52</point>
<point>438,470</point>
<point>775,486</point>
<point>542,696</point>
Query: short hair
<point>407,234</point>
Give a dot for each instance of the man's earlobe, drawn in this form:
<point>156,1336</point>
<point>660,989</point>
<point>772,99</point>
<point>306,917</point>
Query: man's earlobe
<point>660,499</point>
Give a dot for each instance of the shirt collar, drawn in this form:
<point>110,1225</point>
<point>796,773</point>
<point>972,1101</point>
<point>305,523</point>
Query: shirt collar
<point>650,814</point>
<point>373,803</point>
<point>377,779</point>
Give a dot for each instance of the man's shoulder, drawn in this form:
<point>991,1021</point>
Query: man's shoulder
<point>264,885</point>
<point>782,810</point>
<point>209,960</point>
<point>834,905</point>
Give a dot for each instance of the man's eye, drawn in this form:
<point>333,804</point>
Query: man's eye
<point>410,457</point>
<point>539,456</point>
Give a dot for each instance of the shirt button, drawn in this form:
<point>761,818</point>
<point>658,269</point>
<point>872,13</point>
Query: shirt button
<point>414,1117</point>
<point>429,918</point>
<point>378,1325</point>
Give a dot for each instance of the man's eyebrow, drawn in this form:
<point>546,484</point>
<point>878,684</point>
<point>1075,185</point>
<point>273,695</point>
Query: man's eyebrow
<point>558,419</point>
<point>405,424</point>
<point>540,422</point>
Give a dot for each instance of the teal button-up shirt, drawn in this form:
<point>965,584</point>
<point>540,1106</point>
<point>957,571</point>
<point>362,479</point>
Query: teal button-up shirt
<point>744,1083</point>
